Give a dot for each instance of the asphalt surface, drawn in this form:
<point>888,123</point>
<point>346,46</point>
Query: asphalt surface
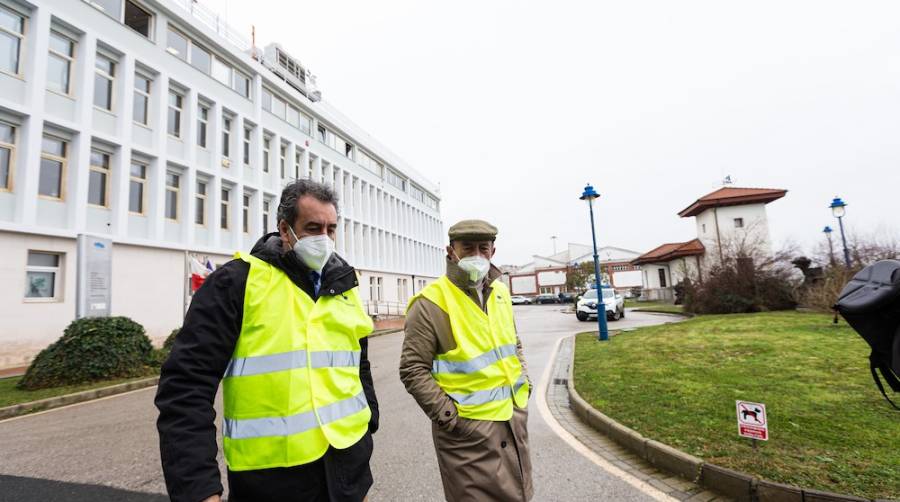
<point>107,450</point>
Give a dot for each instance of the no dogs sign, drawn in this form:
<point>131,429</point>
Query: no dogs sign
<point>752,421</point>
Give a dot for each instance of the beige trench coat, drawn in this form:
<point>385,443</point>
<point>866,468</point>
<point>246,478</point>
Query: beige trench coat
<point>479,460</point>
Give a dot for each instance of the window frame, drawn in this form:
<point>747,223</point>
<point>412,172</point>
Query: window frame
<point>224,208</point>
<point>63,167</point>
<point>203,125</point>
<point>235,74</point>
<point>266,213</point>
<point>201,199</point>
<point>10,169</point>
<point>282,159</point>
<point>106,171</point>
<point>226,136</point>
<point>57,276</point>
<point>245,211</point>
<point>267,151</point>
<point>145,94</point>
<point>247,141</point>
<point>21,36</point>
<point>179,109</point>
<point>177,190</point>
<point>142,181</point>
<point>146,10</point>
<point>109,77</point>
<point>738,223</point>
<point>70,61</point>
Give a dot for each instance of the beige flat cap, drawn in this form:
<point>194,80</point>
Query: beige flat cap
<point>472,230</point>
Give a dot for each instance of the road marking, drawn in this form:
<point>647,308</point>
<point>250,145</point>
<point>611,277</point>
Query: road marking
<point>29,415</point>
<point>578,446</point>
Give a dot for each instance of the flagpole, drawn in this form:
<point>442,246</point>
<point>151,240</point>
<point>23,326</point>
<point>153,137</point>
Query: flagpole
<point>186,283</point>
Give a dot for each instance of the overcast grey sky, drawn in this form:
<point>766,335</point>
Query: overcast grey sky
<point>513,105</point>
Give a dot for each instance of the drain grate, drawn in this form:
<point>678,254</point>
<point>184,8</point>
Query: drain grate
<point>560,381</point>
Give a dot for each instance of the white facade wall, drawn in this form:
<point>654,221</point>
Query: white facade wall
<point>382,229</point>
<point>755,230</point>
<point>627,279</point>
<point>523,285</point>
<point>552,278</point>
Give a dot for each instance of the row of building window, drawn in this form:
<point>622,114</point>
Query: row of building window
<point>44,269</point>
<point>61,57</point>
<point>53,170</point>
<point>279,107</point>
<point>62,51</point>
<point>183,47</point>
<point>52,181</point>
<point>376,289</point>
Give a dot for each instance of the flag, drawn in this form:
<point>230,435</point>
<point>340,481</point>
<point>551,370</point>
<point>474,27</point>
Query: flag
<point>199,273</point>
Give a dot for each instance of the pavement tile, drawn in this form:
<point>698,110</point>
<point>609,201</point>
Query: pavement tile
<point>659,485</point>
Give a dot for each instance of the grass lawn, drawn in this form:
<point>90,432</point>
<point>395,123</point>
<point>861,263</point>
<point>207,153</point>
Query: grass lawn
<point>654,306</point>
<point>830,428</point>
<point>10,395</point>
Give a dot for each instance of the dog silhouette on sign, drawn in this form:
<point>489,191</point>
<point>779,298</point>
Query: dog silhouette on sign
<point>751,413</point>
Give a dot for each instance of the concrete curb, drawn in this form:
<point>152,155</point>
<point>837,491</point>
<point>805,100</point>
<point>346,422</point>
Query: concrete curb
<point>686,315</point>
<point>738,485</point>
<point>78,397</point>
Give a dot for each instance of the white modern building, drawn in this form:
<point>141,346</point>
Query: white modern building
<point>548,274</point>
<point>728,220</point>
<point>150,123</point>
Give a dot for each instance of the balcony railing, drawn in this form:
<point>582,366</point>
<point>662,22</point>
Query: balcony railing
<point>211,19</point>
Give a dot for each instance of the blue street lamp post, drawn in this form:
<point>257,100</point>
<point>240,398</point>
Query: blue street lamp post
<point>837,209</point>
<point>828,231</point>
<point>589,195</point>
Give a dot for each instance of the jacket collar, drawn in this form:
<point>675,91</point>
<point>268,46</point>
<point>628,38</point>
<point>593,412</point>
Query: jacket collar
<point>338,276</point>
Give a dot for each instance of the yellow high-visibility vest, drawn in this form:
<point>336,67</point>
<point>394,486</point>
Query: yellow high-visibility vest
<point>483,374</point>
<point>292,387</point>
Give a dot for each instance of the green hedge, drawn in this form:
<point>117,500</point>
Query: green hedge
<point>95,348</point>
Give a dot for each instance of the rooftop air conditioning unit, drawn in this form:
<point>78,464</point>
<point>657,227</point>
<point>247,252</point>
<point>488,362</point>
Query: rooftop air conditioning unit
<point>291,71</point>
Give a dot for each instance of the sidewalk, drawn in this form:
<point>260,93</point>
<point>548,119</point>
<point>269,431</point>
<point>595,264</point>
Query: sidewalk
<point>603,446</point>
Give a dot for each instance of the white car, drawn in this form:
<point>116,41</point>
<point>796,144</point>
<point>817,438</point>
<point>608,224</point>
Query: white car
<point>614,303</point>
<point>520,300</point>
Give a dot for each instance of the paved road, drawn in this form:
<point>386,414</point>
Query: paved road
<point>106,450</point>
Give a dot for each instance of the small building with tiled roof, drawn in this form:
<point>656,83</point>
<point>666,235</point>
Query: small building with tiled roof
<point>726,219</point>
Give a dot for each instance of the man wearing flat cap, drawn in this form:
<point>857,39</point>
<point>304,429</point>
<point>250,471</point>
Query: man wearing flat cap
<point>462,362</point>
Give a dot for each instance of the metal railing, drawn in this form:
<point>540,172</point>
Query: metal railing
<point>211,19</point>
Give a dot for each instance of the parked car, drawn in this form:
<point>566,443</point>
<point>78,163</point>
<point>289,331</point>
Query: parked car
<point>546,298</point>
<point>613,302</point>
<point>566,297</point>
<point>520,300</point>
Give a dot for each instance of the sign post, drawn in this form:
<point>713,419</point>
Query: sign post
<point>752,421</point>
<point>93,293</point>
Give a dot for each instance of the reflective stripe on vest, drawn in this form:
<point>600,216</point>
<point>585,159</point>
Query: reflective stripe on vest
<point>292,389</point>
<point>473,365</point>
<point>486,396</point>
<point>293,424</point>
<point>483,374</point>
<point>256,365</point>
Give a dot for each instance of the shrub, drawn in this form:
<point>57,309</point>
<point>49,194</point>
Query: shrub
<point>91,349</point>
<point>742,284</point>
<point>823,294</point>
<point>161,354</point>
<point>170,340</point>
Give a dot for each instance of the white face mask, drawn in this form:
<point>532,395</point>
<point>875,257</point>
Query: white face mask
<point>476,266</point>
<point>314,250</point>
